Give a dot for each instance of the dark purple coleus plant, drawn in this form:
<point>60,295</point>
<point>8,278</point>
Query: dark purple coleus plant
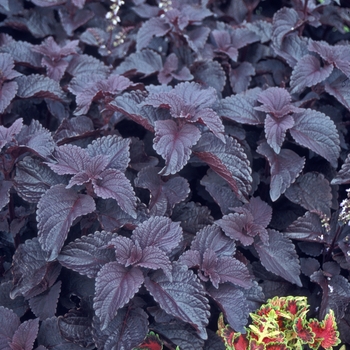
<point>162,162</point>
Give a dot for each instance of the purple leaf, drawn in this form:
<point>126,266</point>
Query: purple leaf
<point>275,130</point>
<point>197,37</point>
<point>240,77</point>
<point>276,102</point>
<point>180,333</point>
<point>211,237</point>
<point>240,108</point>
<point>317,131</point>
<point>284,168</point>
<point>6,66</point>
<point>114,184</point>
<point>312,191</point>
<point>183,297</point>
<point>70,159</point>
<point>112,217</point>
<point>75,126</point>
<point>73,19</point>
<point>306,228</point>
<point>174,142</point>
<point>5,187</point>
<point>192,216</point>
<point>18,305</point>
<point>126,252</point>
<point>343,175</point>
<point>115,148</point>
<point>115,286</point>
<point>240,226</point>
<point>145,62</point>
<point>284,21</point>
<point>25,335</point>
<point>336,54</point>
<point>47,3</point>
<point>213,122</point>
<point>76,326</point>
<point>154,258</point>
<point>87,254</point>
<point>36,85</point>
<point>8,91</point>
<point>7,134</point>
<point>21,52</point>
<point>164,195</point>
<point>155,26</point>
<point>233,304</point>
<point>125,331</point>
<point>50,336</point>
<point>158,232</point>
<point>280,257</point>
<point>85,64</point>
<point>308,72</point>
<point>32,274</point>
<point>210,74</point>
<point>227,160</point>
<point>44,305</point>
<point>37,138</point>
<point>337,85</point>
<point>129,104</point>
<point>33,178</point>
<point>57,209</point>
<point>220,190</point>
<point>9,324</point>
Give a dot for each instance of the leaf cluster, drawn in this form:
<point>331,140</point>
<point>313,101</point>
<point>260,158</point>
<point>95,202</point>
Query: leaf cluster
<point>163,162</point>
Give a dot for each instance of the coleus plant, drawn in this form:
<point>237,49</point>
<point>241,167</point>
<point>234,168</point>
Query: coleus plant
<point>163,162</point>
<point>281,324</point>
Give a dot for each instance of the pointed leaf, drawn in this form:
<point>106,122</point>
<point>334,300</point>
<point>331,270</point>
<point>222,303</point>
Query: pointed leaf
<point>8,91</point>
<point>7,134</point>
<point>232,270</point>
<point>5,187</point>
<point>275,130</point>
<point>280,257</point>
<point>174,142</point>
<point>57,209</point>
<point>233,304</point>
<point>155,26</point>
<point>25,335</point>
<point>33,178</point>
<point>36,85</point>
<point>114,184</point>
<point>284,168</point>
<point>32,274</point>
<point>240,108</point>
<point>315,130</point>
<point>71,159</point>
<point>158,232</point>
<point>312,191</point>
<point>87,254</point>
<point>164,195</point>
<point>343,176</point>
<point>50,336</point>
<point>115,286</point>
<point>337,85</point>
<point>228,160</point>
<point>154,258</point>
<point>44,305</point>
<point>211,237</point>
<point>145,62</point>
<point>210,74</point>
<point>115,148</point>
<point>306,228</point>
<point>183,298</point>
<point>308,72</point>
<point>125,331</point>
<point>37,138</point>
<point>9,324</point>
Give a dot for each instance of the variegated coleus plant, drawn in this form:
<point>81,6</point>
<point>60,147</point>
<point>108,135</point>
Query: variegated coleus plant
<point>281,324</point>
